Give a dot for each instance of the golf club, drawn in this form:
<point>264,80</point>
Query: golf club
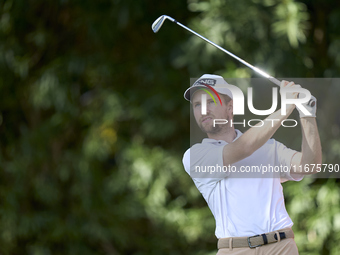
<point>156,26</point>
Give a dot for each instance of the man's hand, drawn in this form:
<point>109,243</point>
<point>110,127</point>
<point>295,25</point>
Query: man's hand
<point>310,106</point>
<point>286,84</point>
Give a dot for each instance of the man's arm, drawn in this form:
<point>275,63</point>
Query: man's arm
<point>254,138</point>
<point>311,153</point>
<point>257,136</point>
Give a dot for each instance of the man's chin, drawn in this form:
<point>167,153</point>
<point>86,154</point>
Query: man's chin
<point>210,129</point>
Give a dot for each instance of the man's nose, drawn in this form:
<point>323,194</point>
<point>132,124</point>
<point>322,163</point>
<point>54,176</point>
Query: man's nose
<point>207,111</point>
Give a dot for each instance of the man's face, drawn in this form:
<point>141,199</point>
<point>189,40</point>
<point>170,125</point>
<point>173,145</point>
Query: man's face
<point>218,111</point>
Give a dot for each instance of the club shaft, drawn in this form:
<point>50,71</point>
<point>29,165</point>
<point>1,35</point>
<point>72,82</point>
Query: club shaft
<point>272,79</point>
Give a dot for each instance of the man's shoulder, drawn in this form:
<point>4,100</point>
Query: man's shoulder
<point>186,155</point>
<point>199,150</point>
<point>205,144</point>
<point>186,161</point>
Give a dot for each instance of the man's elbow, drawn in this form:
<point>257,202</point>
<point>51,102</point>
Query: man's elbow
<point>318,156</point>
<point>318,160</point>
<point>314,166</point>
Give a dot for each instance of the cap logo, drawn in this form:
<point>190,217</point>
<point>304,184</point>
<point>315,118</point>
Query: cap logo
<point>210,82</point>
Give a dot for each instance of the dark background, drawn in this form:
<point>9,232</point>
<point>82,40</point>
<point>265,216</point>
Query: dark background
<point>94,124</point>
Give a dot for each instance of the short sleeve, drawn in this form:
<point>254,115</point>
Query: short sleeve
<point>204,163</point>
<point>284,157</point>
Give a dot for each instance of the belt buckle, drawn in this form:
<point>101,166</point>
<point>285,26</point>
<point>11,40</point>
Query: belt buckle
<point>249,243</point>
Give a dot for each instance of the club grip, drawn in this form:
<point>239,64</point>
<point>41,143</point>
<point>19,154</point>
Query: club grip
<point>275,81</point>
<point>278,83</point>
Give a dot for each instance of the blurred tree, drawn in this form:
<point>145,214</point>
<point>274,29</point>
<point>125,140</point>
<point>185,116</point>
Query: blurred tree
<point>93,123</point>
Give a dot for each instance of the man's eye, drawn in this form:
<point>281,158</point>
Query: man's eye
<point>211,102</point>
<point>197,104</point>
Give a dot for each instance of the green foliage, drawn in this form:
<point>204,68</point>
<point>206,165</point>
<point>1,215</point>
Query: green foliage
<point>93,122</point>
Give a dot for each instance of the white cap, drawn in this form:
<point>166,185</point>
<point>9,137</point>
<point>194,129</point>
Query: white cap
<point>215,81</point>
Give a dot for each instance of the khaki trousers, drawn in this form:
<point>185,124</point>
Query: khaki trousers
<point>283,247</point>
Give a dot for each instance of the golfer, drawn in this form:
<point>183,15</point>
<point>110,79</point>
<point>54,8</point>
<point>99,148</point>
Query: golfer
<point>250,213</point>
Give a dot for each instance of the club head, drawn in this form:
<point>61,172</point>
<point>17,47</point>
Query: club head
<point>159,22</point>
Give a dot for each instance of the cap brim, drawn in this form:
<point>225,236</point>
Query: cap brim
<point>190,91</point>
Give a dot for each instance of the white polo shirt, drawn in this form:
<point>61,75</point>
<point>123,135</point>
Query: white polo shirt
<point>242,206</point>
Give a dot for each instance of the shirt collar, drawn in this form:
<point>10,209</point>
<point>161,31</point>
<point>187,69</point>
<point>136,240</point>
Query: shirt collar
<point>208,140</point>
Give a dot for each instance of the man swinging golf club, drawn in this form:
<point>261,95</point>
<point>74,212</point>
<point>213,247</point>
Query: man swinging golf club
<point>249,212</point>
